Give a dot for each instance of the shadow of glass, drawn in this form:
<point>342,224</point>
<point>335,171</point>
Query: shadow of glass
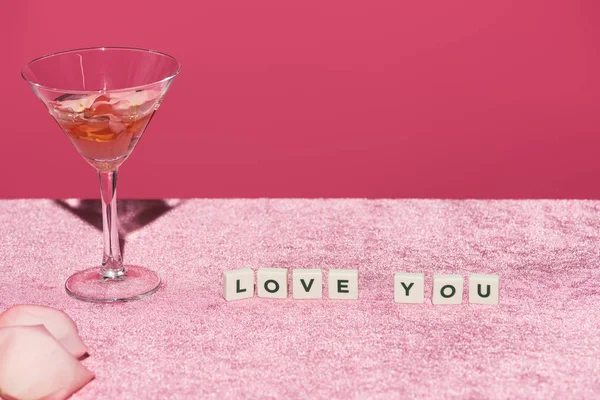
<point>133,214</point>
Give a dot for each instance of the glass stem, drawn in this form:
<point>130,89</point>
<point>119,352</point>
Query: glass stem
<point>112,263</point>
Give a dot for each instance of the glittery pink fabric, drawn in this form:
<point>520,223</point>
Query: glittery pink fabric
<point>186,341</point>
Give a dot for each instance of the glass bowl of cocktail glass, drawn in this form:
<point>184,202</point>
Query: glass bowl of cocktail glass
<point>103,99</point>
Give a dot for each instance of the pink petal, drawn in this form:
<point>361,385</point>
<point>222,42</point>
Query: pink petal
<point>136,97</point>
<point>142,101</point>
<point>34,365</point>
<point>57,322</point>
<point>77,105</point>
<point>116,126</point>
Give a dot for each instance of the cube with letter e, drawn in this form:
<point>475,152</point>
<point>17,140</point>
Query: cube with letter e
<point>343,284</point>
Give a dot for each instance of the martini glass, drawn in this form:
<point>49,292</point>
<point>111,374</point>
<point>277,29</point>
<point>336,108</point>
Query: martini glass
<point>103,99</point>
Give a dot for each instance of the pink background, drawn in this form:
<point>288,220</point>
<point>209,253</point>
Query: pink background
<point>327,98</point>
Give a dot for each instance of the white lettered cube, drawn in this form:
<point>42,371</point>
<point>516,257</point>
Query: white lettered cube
<point>409,288</point>
<point>307,283</point>
<point>447,289</point>
<point>238,284</point>
<point>484,289</point>
<point>343,284</point>
<point>272,283</point>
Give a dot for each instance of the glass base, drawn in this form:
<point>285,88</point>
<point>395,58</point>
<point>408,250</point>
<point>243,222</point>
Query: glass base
<point>90,285</point>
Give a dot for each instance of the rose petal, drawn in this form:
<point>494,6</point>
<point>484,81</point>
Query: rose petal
<point>34,365</point>
<point>126,100</point>
<point>116,126</point>
<point>77,105</point>
<point>57,322</point>
<point>135,97</point>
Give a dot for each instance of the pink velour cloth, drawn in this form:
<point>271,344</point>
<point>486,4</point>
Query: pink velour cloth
<point>187,342</point>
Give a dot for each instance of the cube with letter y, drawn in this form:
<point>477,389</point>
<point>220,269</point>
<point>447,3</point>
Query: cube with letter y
<point>343,284</point>
<point>409,288</point>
